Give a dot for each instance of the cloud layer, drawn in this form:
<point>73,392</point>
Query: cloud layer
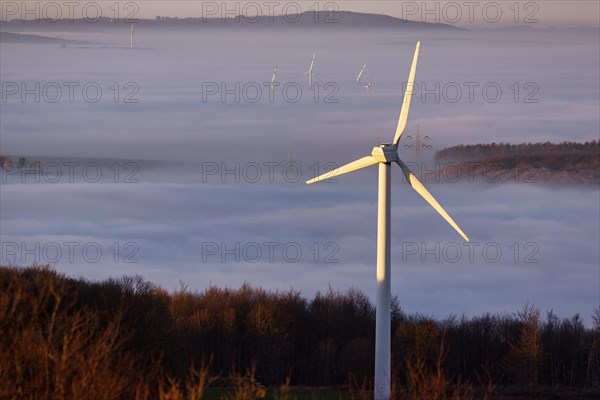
<point>530,242</point>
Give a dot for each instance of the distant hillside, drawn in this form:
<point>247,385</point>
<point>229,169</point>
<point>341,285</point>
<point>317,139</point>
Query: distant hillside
<point>308,19</point>
<point>9,37</point>
<point>567,162</point>
<point>480,151</point>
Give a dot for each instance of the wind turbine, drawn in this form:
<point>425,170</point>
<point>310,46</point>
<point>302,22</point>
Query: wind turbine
<point>131,37</point>
<point>384,155</point>
<point>360,73</point>
<point>310,70</point>
<point>368,85</point>
<point>273,78</point>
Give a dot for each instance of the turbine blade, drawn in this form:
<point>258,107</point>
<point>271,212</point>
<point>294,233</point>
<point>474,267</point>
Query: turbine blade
<point>353,166</point>
<point>407,97</point>
<point>361,72</point>
<point>419,188</point>
<point>311,64</point>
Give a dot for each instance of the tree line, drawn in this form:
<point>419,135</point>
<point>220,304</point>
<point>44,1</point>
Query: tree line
<point>125,337</point>
<point>496,150</point>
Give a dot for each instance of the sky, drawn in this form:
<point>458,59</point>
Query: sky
<point>171,161</point>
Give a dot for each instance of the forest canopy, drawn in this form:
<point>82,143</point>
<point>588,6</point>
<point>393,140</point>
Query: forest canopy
<point>72,336</point>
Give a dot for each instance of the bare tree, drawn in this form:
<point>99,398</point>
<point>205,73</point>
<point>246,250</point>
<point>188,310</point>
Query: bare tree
<point>524,357</point>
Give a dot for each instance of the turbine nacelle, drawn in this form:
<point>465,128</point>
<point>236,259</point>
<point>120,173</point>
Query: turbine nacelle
<point>385,153</point>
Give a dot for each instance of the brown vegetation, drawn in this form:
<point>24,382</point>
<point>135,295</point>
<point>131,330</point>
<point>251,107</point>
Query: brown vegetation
<point>566,162</point>
<point>472,152</point>
<point>62,338</point>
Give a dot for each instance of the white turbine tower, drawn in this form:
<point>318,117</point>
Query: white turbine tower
<point>384,155</point>
<point>131,37</point>
<point>360,73</point>
<point>310,70</point>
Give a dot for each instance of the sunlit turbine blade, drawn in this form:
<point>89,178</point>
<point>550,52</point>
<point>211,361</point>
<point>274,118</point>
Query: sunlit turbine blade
<point>407,97</point>
<point>274,75</point>
<point>353,166</point>
<point>419,188</point>
<point>311,64</point>
<point>361,72</point>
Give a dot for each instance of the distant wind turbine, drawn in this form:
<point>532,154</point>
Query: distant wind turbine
<point>384,155</point>
<point>131,37</point>
<point>361,72</point>
<point>273,78</point>
<point>368,85</point>
<point>310,70</point>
